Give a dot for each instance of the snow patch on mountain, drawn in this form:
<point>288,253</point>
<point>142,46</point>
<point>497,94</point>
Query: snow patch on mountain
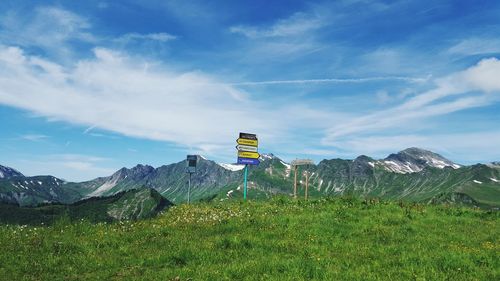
<point>288,166</point>
<point>105,187</point>
<point>232,167</point>
<point>266,156</point>
<point>401,167</point>
<point>438,163</point>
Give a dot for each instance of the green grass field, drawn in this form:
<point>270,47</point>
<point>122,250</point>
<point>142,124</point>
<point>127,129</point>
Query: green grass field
<point>279,239</point>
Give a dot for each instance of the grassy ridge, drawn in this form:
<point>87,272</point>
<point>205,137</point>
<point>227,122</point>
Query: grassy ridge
<point>126,205</point>
<point>280,239</point>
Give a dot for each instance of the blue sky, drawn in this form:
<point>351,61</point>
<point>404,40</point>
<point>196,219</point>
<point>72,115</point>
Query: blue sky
<point>87,87</point>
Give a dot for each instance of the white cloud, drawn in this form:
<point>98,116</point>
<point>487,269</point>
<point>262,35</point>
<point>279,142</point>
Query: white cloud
<point>77,157</point>
<point>160,37</point>
<point>453,146</point>
<point>476,46</point>
<point>297,24</point>
<point>383,97</point>
<point>48,28</point>
<point>34,137</point>
<point>483,77</point>
<point>332,80</point>
<point>467,89</point>
<point>138,98</point>
<point>395,61</point>
<point>286,38</point>
<point>74,167</point>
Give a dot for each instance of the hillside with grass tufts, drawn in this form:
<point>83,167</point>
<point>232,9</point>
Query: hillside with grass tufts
<point>278,239</point>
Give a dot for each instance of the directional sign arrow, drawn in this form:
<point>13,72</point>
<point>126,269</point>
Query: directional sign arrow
<point>248,136</point>
<point>298,162</point>
<point>247,142</point>
<point>248,161</point>
<point>244,154</point>
<point>248,148</point>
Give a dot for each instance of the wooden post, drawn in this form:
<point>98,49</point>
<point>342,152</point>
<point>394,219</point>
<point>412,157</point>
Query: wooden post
<point>295,183</point>
<point>307,183</point>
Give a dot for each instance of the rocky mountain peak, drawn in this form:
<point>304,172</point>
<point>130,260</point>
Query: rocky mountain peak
<point>363,158</point>
<point>7,172</point>
<point>267,156</point>
<point>142,168</point>
<point>415,159</point>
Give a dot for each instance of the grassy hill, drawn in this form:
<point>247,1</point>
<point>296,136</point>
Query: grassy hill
<point>126,205</point>
<point>277,239</point>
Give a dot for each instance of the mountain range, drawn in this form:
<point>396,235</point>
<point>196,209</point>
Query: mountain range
<point>413,174</point>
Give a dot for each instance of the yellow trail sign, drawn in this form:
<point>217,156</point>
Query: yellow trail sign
<point>247,142</point>
<point>245,154</point>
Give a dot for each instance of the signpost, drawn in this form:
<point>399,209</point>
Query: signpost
<point>247,155</point>
<point>241,147</point>
<point>191,169</point>
<point>299,162</point>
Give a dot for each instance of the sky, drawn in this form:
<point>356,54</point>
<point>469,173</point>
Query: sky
<point>88,87</point>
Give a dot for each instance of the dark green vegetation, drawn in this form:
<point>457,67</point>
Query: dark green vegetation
<point>413,175</point>
<point>127,205</point>
<point>277,239</point>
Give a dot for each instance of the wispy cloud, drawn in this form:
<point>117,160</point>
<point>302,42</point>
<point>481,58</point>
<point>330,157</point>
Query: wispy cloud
<point>75,167</point>
<point>49,28</point>
<point>297,24</point>
<point>334,80</point>
<point>86,131</point>
<point>34,137</point>
<point>159,37</point>
<point>294,35</point>
<point>452,145</point>
<point>113,92</point>
<point>476,46</point>
<point>474,87</point>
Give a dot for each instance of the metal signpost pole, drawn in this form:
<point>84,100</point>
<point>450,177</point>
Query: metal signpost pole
<point>191,161</point>
<point>245,183</point>
<point>189,189</point>
<point>247,155</point>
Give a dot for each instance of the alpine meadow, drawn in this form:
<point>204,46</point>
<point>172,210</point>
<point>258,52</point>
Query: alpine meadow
<point>250,140</point>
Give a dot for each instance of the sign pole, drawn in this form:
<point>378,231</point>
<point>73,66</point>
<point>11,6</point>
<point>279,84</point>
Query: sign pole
<point>295,183</point>
<point>189,189</point>
<point>245,183</point>
<point>307,183</point>
<point>191,161</point>
<point>247,155</point>
<point>301,162</point>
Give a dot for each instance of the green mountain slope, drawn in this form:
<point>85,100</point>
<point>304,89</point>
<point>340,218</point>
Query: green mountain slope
<point>127,205</point>
<point>29,191</point>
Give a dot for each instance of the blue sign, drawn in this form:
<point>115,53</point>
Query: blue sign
<point>248,161</point>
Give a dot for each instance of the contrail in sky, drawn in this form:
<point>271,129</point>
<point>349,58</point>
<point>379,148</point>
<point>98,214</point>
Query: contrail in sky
<point>333,80</point>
